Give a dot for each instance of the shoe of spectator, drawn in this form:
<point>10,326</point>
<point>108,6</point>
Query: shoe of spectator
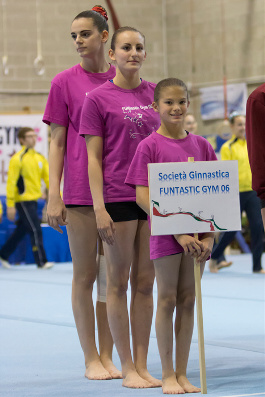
<point>5,263</point>
<point>261,271</point>
<point>47,265</point>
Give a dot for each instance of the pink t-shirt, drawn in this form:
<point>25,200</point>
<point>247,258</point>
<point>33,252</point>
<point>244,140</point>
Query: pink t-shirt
<point>64,106</point>
<point>159,149</point>
<point>123,118</point>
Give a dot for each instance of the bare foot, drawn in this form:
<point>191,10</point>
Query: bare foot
<point>261,271</point>
<point>134,381</point>
<point>187,386</point>
<point>145,375</point>
<point>110,367</point>
<point>223,264</point>
<point>96,371</point>
<point>171,386</point>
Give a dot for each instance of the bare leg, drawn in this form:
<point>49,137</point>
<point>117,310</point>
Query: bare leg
<point>167,272</point>
<point>185,321</point>
<point>82,234</point>
<point>119,257</point>
<point>105,341</point>
<point>141,309</point>
<point>104,336</point>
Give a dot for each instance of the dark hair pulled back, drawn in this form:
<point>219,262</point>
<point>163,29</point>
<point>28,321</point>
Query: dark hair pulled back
<point>171,81</point>
<point>121,30</point>
<point>99,16</point>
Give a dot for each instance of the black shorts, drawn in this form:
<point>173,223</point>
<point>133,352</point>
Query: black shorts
<point>125,211</point>
<point>77,205</point>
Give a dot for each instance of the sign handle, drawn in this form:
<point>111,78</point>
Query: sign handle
<point>198,295</point>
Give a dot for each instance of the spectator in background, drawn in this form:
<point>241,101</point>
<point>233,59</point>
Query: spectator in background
<point>190,124</point>
<point>255,128</point>
<point>236,149</point>
<point>26,170</point>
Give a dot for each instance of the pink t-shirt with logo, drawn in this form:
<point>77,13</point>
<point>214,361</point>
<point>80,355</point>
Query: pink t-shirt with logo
<point>123,118</point>
<point>160,149</point>
<point>64,106</point>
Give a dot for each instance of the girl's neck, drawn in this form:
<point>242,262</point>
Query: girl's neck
<point>127,81</point>
<point>242,137</point>
<point>172,131</point>
<point>95,65</point>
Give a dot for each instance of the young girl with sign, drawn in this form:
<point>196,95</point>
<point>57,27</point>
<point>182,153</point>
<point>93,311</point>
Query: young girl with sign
<point>115,118</point>
<point>172,255</point>
<point>68,153</point>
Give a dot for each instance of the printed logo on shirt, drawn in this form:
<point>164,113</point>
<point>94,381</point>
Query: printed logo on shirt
<point>40,164</point>
<point>87,93</point>
<point>135,116</point>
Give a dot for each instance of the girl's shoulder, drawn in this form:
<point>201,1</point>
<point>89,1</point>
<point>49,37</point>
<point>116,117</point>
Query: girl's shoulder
<point>64,75</point>
<point>149,143</point>
<point>101,92</point>
<point>202,144</point>
<point>200,139</point>
<point>150,84</point>
<point>77,73</point>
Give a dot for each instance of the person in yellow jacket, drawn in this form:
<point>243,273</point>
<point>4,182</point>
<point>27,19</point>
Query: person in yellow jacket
<point>236,149</point>
<point>26,170</point>
<point>1,211</point>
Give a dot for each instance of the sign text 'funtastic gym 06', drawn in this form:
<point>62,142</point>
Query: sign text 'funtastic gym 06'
<point>195,197</point>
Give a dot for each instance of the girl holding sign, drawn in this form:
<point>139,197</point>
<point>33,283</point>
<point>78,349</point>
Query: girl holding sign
<point>115,118</point>
<point>172,255</point>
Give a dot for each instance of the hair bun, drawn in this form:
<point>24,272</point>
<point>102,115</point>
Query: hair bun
<point>101,10</point>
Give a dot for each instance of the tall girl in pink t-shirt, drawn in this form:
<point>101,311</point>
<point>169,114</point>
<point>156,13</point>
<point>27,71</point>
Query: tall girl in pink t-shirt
<point>173,255</point>
<point>115,118</point>
<point>89,31</point>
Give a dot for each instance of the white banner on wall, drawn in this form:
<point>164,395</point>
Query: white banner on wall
<point>194,197</point>
<point>9,144</point>
<point>212,100</point>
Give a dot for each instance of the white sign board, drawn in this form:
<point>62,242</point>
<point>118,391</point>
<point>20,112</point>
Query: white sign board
<point>194,197</point>
<point>9,143</point>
